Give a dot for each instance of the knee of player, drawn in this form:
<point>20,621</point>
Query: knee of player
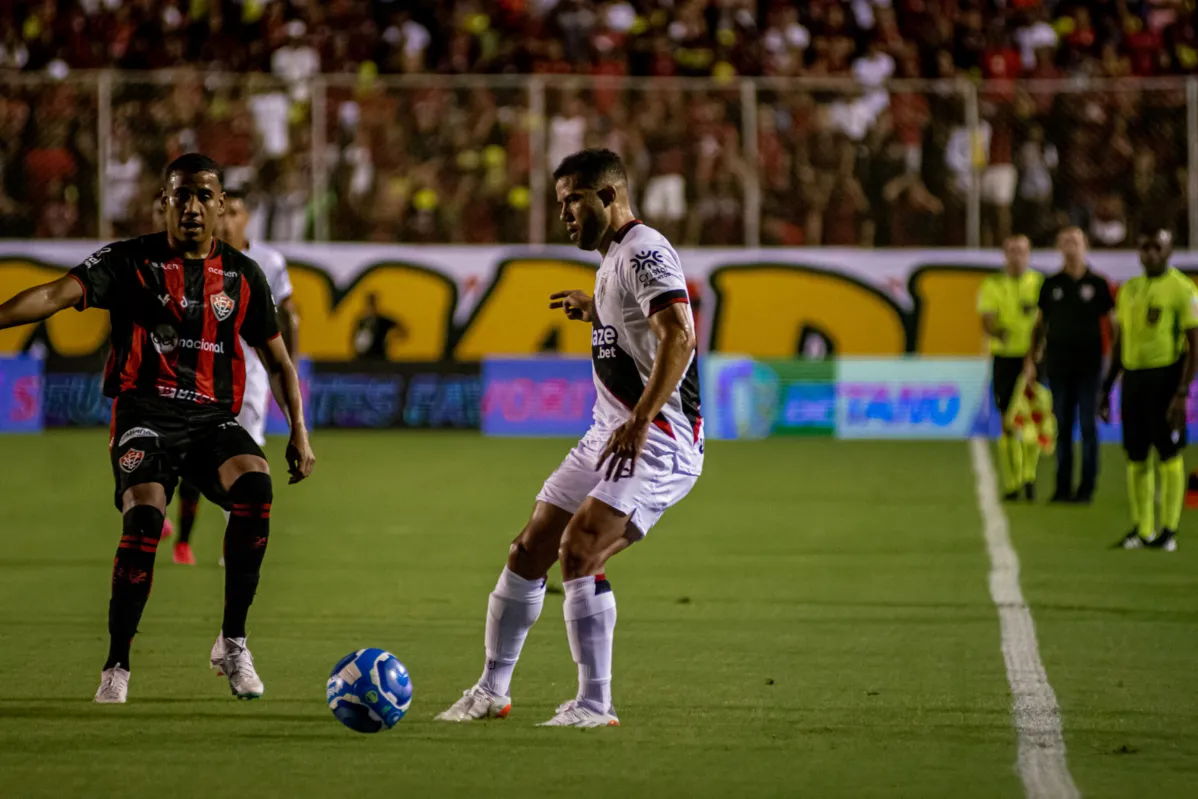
<point>144,521</point>
<point>252,488</point>
<point>580,548</point>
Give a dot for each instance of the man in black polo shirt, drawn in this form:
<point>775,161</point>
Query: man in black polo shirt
<point>1073,304</point>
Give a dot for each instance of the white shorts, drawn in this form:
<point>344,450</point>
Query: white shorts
<point>661,480</point>
<point>998,184</point>
<point>254,407</point>
<point>665,198</point>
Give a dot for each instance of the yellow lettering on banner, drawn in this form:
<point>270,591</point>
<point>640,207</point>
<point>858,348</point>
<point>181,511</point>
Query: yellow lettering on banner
<point>514,317</point>
<point>947,299</point>
<point>70,333</point>
<point>419,300</point>
<point>763,310</point>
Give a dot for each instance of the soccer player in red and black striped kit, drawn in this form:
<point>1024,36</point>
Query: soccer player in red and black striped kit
<point>180,303</point>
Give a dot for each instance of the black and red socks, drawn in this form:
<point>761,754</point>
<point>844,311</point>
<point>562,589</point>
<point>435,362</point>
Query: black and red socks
<point>132,577</point>
<point>245,546</point>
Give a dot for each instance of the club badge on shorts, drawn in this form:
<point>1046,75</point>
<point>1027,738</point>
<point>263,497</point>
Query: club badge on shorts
<point>222,304</point>
<point>131,460</point>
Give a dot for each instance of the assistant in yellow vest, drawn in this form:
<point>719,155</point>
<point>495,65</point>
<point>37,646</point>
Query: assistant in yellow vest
<point>1156,351</point>
<point>1007,302</point>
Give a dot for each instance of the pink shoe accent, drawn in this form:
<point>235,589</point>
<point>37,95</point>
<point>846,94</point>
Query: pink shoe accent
<point>168,529</point>
<point>184,555</point>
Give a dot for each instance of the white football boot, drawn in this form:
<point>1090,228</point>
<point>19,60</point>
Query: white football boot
<point>231,658</point>
<point>114,686</point>
<point>477,704</point>
<point>576,714</point>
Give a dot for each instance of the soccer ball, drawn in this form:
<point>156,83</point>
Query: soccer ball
<point>369,690</point>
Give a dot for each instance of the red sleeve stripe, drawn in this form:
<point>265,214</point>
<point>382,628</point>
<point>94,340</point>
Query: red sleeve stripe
<point>82,303</point>
<point>661,301</point>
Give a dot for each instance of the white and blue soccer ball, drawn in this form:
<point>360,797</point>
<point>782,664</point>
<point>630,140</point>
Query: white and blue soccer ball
<point>369,690</point>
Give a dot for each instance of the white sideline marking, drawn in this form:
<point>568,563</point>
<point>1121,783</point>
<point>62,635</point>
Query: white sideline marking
<point>1034,708</point>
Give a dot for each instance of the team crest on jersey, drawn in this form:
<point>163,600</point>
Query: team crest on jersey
<point>131,460</point>
<point>1154,315</point>
<point>222,304</point>
<point>1086,292</point>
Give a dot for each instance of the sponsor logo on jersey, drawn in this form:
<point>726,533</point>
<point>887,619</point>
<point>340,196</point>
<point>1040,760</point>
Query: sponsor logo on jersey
<point>649,266</point>
<point>131,460</point>
<point>218,271</point>
<point>137,432</point>
<point>166,340</point>
<point>228,425</point>
<point>603,342</point>
<point>222,305</point>
<point>96,257</point>
<point>171,392</point>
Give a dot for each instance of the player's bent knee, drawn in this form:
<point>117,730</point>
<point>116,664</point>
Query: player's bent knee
<point>151,495</point>
<point>252,488</point>
<point>144,522</point>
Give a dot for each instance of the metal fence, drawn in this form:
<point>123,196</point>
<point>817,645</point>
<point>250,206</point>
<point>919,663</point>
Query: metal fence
<point>746,162</point>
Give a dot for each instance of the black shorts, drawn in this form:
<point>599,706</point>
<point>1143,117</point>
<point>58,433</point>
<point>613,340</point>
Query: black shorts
<point>159,440</point>
<point>1003,378</point>
<point>1147,394</point>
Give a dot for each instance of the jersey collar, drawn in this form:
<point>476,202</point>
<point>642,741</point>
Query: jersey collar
<point>619,235</point>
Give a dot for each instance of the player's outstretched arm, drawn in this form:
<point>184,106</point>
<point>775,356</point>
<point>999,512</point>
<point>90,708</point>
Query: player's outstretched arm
<point>285,380</point>
<point>675,345</point>
<point>577,305</point>
<point>41,302</point>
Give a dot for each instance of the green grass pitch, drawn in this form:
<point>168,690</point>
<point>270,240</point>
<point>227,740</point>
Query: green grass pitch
<point>814,620</point>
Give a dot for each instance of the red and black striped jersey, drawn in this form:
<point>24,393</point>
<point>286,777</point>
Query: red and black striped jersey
<point>178,324</point>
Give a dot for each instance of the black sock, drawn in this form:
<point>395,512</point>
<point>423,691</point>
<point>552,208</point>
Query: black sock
<point>189,505</point>
<point>132,576</point>
<point>245,546</point>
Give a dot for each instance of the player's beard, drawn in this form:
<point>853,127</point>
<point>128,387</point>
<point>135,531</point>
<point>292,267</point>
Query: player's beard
<point>590,231</point>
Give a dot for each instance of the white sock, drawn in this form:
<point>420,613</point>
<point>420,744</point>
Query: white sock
<point>513,608</point>
<point>590,611</point>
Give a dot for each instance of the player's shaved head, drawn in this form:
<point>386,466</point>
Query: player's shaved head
<point>592,169</point>
<point>193,164</point>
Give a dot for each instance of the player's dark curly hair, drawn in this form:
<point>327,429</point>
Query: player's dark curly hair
<point>592,168</point>
<point>192,164</point>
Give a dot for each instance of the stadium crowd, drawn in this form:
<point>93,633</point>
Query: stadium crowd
<point>868,162</point>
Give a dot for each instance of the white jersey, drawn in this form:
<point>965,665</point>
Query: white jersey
<point>640,276</point>
<point>274,266</point>
<point>257,382</point>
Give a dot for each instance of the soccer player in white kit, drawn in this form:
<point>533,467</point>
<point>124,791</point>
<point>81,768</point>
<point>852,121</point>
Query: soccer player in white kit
<point>642,454</point>
<point>255,403</point>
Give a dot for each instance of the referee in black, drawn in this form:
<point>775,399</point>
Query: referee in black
<point>1069,332</point>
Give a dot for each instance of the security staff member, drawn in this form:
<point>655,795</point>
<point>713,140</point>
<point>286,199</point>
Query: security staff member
<point>1073,304</point>
<point>1156,350</point>
<point>1007,302</point>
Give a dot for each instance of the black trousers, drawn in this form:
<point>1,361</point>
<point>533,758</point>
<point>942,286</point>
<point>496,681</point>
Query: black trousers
<point>1075,401</point>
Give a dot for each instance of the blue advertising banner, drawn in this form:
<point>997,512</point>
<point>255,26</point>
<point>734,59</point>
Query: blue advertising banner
<point>20,394</point>
<point>276,422</point>
<point>396,394</point>
<point>911,398</point>
<point>537,396</point>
